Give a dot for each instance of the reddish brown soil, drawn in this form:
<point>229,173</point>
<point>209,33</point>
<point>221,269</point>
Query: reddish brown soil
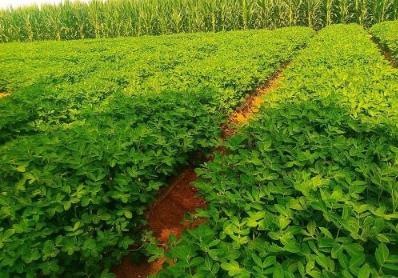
<point>251,105</point>
<point>167,215</point>
<point>385,51</point>
<point>129,270</point>
<point>165,218</point>
<point>390,59</point>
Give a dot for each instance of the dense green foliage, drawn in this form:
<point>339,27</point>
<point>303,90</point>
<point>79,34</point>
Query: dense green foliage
<point>309,188</point>
<point>386,33</point>
<point>82,74</point>
<point>92,129</point>
<point>113,18</point>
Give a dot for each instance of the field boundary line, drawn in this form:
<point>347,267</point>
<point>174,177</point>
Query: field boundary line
<point>385,51</point>
<point>251,106</point>
<point>240,116</point>
<point>180,197</point>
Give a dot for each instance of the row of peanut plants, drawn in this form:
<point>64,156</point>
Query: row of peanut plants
<point>92,129</point>
<point>386,34</point>
<point>309,188</point>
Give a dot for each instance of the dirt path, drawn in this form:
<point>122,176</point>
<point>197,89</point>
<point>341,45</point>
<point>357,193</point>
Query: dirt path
<point>252,104</point>
<point>388,56</point>
<point>385,52</point>
<point>166,216</point>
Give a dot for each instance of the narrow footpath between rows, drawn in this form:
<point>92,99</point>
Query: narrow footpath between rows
<point>166,215</point>
<point>385,52</point>
<point>388,57</point>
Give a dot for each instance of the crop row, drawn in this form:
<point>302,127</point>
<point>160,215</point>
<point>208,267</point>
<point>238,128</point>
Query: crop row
<point>115,18</point>
<point>309,188</point>
<point>92,129</point>
<point>59,81</point>
<point>386,33</point>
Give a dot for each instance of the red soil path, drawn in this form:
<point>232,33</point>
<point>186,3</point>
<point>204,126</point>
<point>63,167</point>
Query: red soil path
<point>390,59</point>
<point>166,216</point>
<point>385,51</point>
<point>251,105</point>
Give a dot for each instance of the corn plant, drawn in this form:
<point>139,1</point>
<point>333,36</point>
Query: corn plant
<point>115,18</point>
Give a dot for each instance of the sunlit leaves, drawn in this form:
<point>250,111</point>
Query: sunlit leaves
<point>386,33</point>
<point>329,143</point>
<point>84,153</point>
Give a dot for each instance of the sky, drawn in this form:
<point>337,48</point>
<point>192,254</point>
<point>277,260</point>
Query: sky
<point>18,3</point>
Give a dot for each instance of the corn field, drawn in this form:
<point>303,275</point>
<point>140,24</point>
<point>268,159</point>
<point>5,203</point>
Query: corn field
<point>114,18</point>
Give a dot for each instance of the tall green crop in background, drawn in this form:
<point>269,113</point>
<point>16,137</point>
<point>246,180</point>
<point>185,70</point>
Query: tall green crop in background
<point>113,18</point>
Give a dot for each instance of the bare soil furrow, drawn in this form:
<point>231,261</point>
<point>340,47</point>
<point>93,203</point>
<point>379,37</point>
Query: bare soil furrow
<point>167,215</point>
